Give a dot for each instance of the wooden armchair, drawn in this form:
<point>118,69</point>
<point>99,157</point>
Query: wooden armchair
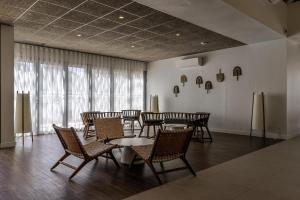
<point>88,122</point>
<point>131,116</point>
<point>73,146</point>
<point>151,119</point>
<point>109,128</point>
<point>168,145</point>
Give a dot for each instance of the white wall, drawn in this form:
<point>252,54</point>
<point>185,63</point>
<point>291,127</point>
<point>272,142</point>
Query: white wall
<point>264,69</point>
<point>293,89</point>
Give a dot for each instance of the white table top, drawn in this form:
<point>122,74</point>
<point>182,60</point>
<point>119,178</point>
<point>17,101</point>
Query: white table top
<point>132,141</point>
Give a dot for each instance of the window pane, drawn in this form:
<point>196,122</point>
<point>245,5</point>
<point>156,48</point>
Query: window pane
<point>121,88</point>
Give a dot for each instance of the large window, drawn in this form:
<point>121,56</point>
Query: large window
<point>63,84</point>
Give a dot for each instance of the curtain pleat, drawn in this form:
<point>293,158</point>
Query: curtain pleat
<point>63,84</point>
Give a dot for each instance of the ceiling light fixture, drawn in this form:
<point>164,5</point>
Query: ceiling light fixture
<point>204,43</point>
<point>121,17</point>
<point>78,35</point>
<point>132,46</point>
<point>177,34</point>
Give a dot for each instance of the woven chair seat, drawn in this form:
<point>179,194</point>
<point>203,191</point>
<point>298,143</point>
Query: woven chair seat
<point>145,152</point>
<point>94,149</point>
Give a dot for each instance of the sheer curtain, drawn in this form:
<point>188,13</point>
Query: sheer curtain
<point>51,89</point>
<point>63,84</point>
<point>101,83</point>
<point>25,72</point>
<point>121,76</point>
<point>78,92</point>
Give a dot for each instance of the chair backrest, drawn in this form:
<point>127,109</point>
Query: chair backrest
<point>69,140</point>
<point>109,115</point>
<point>175,117</point>
<point>108,128</point>
<point>202,118</point>
<point>151,116</point>
<point>170,143</point>
<point>131,113</point>
<point>88,117</point>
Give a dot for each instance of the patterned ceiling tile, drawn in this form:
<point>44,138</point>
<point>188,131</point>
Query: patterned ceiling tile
<point>56,29</point>
<point>66,24</point>
<point>107,36</point>
<point>114,3</point>
<point>120,16</point>
<point>10,13</point>
<point>141,23</point>
<point>93,8</point>
<point>89,30</point>
<point>37,17</point>
<point>79,17</point>
<point>138,9</point>
<point>161,29</point>
<point>129,39</point>
<point>104,24</point>
<point>66,3</point>
<point>48,8</point>
<point>32,26</point>
<point>126,29</point>
<point>144,35</point>
<point>17,3</point>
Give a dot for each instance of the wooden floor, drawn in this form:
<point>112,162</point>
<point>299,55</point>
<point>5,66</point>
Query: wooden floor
<point>25,174</point>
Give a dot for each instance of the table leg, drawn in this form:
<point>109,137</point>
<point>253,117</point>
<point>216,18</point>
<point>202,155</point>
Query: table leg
<point>128,155</point>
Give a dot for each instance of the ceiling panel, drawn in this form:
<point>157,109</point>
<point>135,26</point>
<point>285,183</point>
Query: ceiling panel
<point>120,28</point>
<point>95,8</point>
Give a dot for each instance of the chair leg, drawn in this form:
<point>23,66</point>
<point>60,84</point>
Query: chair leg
<point>154,171</point>
<point>141,131</point>
<point>161,127</point>
<point>114,159</point>
<point>139,123</point>
<point>132,162</point>
<point>208,132</point>
<point>132,122</point>
<point>188,165</point>
<point>202,134</point>
<point>154,133</point>
<point>79,168</point>
<point>148,127</point>
<point>61,159</point>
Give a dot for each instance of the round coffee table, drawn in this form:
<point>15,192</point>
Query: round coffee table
<point>127,153</point>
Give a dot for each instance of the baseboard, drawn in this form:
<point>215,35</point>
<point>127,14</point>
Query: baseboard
<point>7,145</point>
<point>256,134</point>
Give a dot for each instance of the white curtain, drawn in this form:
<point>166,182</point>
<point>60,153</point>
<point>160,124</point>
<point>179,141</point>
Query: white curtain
<point>25,72</point>
<point>101,83</point>
<point>51,89</point>
<point>63,84</point>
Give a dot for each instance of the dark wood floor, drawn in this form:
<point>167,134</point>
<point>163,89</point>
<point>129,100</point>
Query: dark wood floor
<point>25,174</point>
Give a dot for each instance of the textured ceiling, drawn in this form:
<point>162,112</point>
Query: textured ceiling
<point>121,28</point>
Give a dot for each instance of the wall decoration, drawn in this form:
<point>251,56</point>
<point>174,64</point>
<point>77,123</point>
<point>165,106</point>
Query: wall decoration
<point>183,79</point>
<point>199,81</point>
<point>208,86</point>
<point>237,71</point>
<point>220,76</point>
<point>176,90</point>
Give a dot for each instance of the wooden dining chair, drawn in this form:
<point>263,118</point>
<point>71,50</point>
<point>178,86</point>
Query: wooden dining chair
<point>109,128</point>
<point>151,119</point>
<point>73,146</point>
<point>131,116</point>
<point>168,145</point>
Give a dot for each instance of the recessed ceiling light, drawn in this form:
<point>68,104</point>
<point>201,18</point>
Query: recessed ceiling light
<point>177,34</point>
<point>78,35</point>
<point>132,46</point>
<point>121,17</point>
<point>204,43</point>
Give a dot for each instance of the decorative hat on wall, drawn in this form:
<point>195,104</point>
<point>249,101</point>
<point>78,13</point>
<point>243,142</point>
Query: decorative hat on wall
<point>237,71</point>
<point>208,86</point>
<point>199,81</point>
<point>220,76</point>
<point>176,90</point>
<point>183,79</point>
